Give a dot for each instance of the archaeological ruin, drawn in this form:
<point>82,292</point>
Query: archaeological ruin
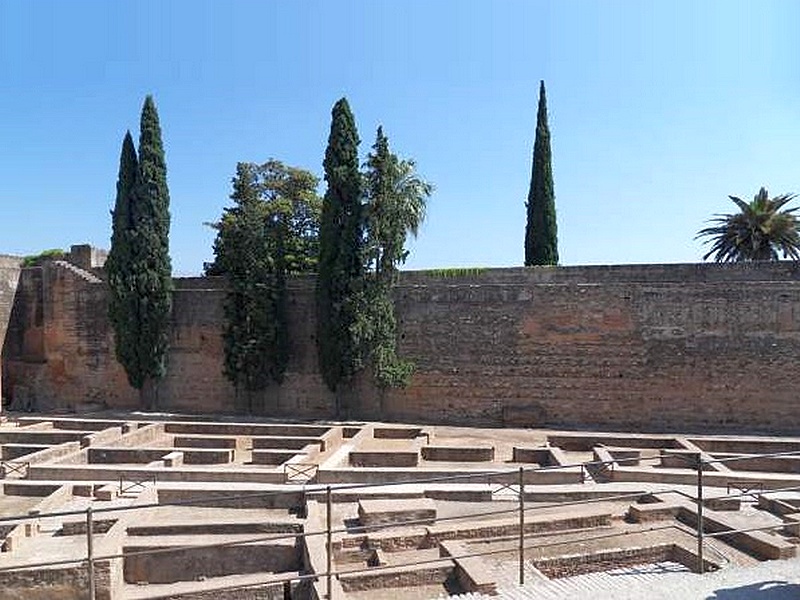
<point>566,429</point>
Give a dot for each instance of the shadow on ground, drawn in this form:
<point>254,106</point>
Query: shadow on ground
<point>765,590</point>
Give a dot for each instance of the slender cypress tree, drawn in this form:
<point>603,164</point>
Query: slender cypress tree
<point>123,300</point>
<point>140,273</point>
<point>541,232</point>
<point>151,256</point>
<point>340,279</point>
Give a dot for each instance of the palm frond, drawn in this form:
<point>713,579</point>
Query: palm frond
<point>759,231</point>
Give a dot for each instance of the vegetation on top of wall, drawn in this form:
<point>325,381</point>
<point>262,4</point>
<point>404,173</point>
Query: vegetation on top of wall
<point>455,272</point>
<point>35,260</point>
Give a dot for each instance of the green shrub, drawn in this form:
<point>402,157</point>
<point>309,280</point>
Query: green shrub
<point>456,272</point>
<point>36,260</point>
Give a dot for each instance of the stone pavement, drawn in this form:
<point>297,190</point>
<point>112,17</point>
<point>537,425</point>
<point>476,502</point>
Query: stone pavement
<point>773,580</point>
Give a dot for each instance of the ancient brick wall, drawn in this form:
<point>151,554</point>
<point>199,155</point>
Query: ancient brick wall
<point>9,278</point>
<point>655,347</point>
<point>58,351</point>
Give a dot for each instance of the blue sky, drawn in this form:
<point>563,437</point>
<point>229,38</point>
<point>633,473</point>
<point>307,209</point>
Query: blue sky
<point>658,111</point>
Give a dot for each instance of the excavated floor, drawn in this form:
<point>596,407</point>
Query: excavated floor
<point>187,508</point>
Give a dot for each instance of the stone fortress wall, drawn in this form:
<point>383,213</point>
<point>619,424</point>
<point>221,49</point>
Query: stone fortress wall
<point>651,347</point>
<point>9,278</point>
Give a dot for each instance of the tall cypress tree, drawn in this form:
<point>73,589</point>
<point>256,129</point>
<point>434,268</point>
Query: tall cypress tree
<point>123,301</point>
<point>140,273</point>
<point>151,254</point>
<point>541,232</point>
<point>340,279</point>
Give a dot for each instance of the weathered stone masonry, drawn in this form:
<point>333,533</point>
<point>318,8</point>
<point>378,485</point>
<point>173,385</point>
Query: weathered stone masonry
<point>9,277</point>
<point>636,346</point>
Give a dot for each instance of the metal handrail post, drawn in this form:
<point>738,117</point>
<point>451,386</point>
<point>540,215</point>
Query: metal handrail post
<point>701,565</point>
<point>521,526</point>
<point>90,551</point>
<point>329,544</point>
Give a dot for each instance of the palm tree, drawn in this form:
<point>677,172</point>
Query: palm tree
<point>396,203</point>
<point>760,231</point>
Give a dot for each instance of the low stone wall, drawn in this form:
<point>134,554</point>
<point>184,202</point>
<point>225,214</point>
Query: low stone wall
<point>586,519</point>
<point>255,498</point>
<point>50,438</point>
<point>191,456</point>
<point>746,446</point>
<point>378,458</point>
<point>283,443</point>
<point>543,457</point>
<point>140,436</point>
<point>105,436</point>
<point>232,443</point>
<point>272,457</point>
<point>397,433</point>
<point>398,577</point>
<point>144,473</point>
<point>773,464</point>
<point>569,566</point>
<point>64,583</point>
<point>458,453</point>
<point>247,429</point>
<point>188,564</point>
<point>382,512</point>
<point>14,451</point>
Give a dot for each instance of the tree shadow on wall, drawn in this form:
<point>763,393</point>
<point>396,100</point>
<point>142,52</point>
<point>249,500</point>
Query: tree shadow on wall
<point>764,590</point>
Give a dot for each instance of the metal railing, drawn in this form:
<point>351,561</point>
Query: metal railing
<point>17,467</point>
<point>131,483</point>
<point>300,472</point>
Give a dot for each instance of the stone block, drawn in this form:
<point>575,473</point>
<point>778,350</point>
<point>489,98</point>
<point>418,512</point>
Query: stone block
<point>458,453</point>
<point>378,458</point>
<point>173,459</point>
<point>382,512</point>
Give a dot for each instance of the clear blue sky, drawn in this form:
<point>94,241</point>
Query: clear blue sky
<point>658,111</point>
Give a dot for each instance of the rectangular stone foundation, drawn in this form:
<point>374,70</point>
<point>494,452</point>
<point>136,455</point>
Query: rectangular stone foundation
<point>377,458</point>
<point>382,512</point>
<point>458,453</point>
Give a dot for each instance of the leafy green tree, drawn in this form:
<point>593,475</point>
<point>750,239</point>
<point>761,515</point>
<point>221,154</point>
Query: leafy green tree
<point>288,195</point>
<point>396,199</point>
<point>759,231</point>
<point>271,231</point>
<point>340,279</point>
<point>140,273</point>
<point>541,232</point>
